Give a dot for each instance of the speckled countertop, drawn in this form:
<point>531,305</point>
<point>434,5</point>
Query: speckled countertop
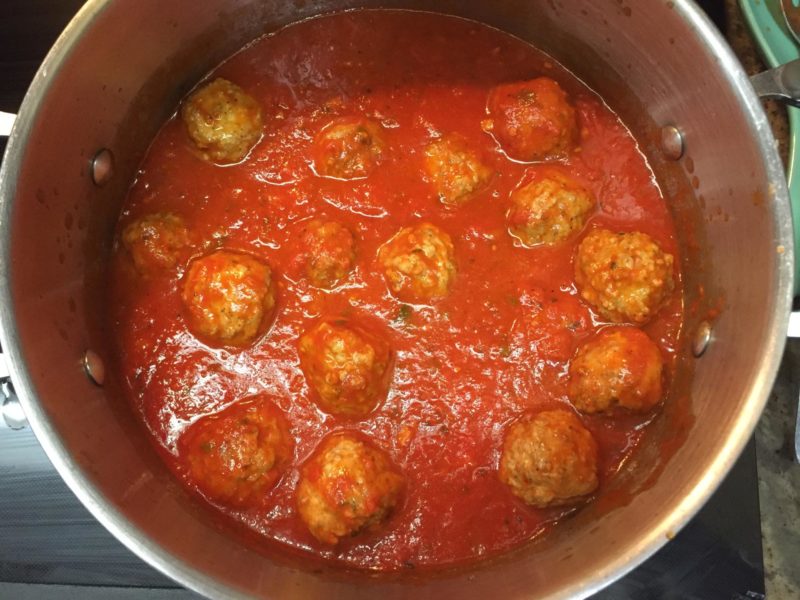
<point>778,475</point>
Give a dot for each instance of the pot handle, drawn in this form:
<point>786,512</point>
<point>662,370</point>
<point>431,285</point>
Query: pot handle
<point>794,332</point>
<point>11,414</point>
<point>783,84</point>
<point>6,123</point>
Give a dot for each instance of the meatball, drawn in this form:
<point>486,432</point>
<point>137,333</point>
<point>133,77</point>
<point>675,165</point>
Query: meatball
<point>346,367</point>
<point>329,252</point>
<point>621,366</point>
<point>237,455</point>
<point>625,276</point>
<point>455,171</point>
<point>532,120</point>
<point>347,487</point>
<point>549,210</point>
<point>155,242</point>
<point>419,263</point>
<point>349,148</point>
<point>229,297</point>
<point>223,121</point>
<point>549,459</point>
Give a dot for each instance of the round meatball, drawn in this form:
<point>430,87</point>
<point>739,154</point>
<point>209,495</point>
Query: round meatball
<point>549,459</point>
<point>625,276</point>
<point>223,121</point>
<point>620,366</point>
<point>455,171</point>
<point>347,487</point>
<point>548,210</point>
<point>237,455</point>
<point>532,120</point>
<point>346,367</point>
<point>329,252</point>
<point>419,263</point>
<point>349,148</point>
<point>155,242</point>
<point>229,297</point>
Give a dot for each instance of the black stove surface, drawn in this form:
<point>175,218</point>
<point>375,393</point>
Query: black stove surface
<point>47,537</point>
<point>48,540</point>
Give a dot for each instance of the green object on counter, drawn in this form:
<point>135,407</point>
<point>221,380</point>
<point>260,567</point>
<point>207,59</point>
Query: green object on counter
<point>778,47</point>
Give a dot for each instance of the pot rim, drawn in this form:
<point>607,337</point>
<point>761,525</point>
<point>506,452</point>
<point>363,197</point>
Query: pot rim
<point>636,553</point>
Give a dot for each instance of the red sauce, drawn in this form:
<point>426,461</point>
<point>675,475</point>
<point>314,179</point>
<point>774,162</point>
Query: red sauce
<point>464,368</point>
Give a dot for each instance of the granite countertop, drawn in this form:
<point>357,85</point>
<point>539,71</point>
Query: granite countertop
<point>778,474</point>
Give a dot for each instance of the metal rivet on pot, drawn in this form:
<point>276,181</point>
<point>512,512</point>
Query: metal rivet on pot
<point>672,142</point>
<point>701,338</point>
<point>94,367</point>
<point>102,166</point>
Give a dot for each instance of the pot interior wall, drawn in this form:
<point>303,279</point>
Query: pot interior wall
<point>115,86</point>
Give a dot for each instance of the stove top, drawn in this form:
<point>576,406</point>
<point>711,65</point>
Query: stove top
<point>47,537</point>
<point>51,547</point>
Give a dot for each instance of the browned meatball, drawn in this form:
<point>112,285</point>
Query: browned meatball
<point>223,121</point>
<point>349,148</point>
<point>620,366</point>
<point>347,487</point>
<point>455,171</point>
<point>549,209</point>
<point>347,367</point>
<point>155,242</point>
<point>625,276</point>
<point>419,263</point>
<point>229,297</point>
<point>237,455</point>
<point>549,459</point>
<point>532,120</point>
<point>329,252</point>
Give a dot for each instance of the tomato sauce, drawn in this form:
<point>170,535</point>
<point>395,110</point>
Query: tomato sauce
<point>465,367</point>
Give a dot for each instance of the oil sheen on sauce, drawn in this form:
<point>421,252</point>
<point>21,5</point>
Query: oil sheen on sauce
<point>464,368</point>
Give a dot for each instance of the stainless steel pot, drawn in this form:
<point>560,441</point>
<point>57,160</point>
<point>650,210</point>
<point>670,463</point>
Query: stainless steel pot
<point>118,71</point>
